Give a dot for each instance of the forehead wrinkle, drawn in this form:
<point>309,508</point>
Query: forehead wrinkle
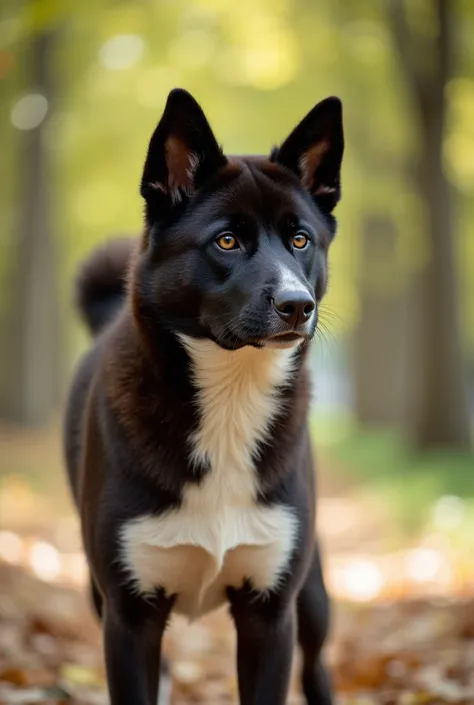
<point>255,194</point>
<point>252,187</point>
<point>290,194</point>
<point>278,198</point>
<point>241,195</point>
<point>248,188</point>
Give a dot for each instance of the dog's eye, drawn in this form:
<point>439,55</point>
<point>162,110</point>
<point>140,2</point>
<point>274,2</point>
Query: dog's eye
<point>227,241</point>
<point>300,240</point>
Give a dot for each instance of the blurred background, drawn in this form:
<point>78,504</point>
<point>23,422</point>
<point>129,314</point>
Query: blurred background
<point>82,86</point>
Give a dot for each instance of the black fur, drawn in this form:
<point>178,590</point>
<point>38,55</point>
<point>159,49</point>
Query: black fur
<point>100,285</point>
<point>133,404</point>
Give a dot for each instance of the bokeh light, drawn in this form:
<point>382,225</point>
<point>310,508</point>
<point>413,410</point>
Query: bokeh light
<point>122,51</point>
<point>29,111</point>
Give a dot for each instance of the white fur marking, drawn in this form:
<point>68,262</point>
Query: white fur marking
<point>289,281</point>
<point>220,535</point>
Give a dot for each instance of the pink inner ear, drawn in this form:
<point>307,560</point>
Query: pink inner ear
<point>181,163</point>
<point>309,163</point>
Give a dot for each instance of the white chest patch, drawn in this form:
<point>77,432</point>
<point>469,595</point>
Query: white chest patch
<point>219,536</point>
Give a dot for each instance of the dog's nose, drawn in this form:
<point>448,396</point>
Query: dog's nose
<point>294,307</point>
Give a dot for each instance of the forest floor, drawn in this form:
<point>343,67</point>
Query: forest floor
<point>403,628</point>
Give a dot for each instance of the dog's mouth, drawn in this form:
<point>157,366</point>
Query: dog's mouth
<point>281,339</point>
<point>287,337</point>
<point>284,340</point>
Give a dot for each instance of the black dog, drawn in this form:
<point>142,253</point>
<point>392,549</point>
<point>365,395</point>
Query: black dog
<point>186,435</point>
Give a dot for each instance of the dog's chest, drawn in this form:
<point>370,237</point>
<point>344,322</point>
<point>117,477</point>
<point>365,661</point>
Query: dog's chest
<point>220,535</point>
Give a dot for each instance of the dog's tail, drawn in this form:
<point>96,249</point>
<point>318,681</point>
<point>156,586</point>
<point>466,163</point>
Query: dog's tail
<point>101,282</point>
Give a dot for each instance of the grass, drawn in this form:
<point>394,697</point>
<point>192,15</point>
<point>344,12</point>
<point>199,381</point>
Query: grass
<point>379,462</point>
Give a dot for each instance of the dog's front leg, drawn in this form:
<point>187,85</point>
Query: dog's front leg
<point>132,641</point>
<point>265,644</point>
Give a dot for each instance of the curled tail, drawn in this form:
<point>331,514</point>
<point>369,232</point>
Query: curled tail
<point>101,282</point>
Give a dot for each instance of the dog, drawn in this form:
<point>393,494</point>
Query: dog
<point>186,431</point>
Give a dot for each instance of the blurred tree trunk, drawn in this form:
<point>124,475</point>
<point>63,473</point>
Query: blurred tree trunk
<point>438,413</point>
<point>34,308</point>
<point>378,351</point>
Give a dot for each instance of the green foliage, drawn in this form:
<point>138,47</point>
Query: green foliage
<point>256,66</point>
<point>380,463</point>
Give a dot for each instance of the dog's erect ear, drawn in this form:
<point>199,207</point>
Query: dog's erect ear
<point>314,152</point>
<point>182,154</point>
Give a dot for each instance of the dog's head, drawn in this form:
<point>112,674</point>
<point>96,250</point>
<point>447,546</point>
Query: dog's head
<point>235,248</point>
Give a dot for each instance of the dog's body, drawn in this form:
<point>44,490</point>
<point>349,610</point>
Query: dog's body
<point>186,439</point>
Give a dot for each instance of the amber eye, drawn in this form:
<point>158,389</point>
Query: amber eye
<point>227,242</point>
<point>300,240</point>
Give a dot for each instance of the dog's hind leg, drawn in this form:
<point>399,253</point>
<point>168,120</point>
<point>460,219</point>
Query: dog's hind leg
<point>313,624</point>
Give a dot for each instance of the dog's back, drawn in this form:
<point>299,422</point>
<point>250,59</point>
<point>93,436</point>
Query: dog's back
<point>99,295</point>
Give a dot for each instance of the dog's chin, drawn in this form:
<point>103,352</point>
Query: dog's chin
<point>281,341</point>
<point>281,344</point>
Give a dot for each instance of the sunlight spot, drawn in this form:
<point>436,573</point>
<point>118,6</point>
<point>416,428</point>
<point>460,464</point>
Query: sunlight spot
<point>361,580</point>
<point>198,17</point>
<point>423,564</point>
<point>192,49</point>
<point>448,512</point>
<point>272,60</point>
<point>368,41</point>
<point>229,67</point>
<point>122,51</point>
<point>266,55</point>
<point>45,561</point>
<point>11,547</point>
<point>187,672</point>
<point>29,112</point>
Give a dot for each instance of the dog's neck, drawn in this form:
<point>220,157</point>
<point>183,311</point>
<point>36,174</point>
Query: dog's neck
<point>239,395</point>
<point>218,371</point>
<point>212,363</point>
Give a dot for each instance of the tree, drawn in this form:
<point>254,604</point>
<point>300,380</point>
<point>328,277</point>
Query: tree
<point>438,413</point>
<point>379,360</point>
<point>34,308</point>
